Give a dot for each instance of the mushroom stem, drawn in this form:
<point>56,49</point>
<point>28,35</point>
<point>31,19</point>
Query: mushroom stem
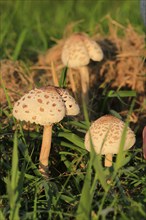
<point>45,150</point>
<point>54,74</point>
<point>72,81</point>
<point>84,74</point>
<point>108,160</point>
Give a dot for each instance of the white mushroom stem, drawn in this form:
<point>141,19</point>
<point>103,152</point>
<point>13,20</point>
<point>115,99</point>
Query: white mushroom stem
<point>54,75</point>
<point>84,74</point>
<point>72,81</point>
<point>45,150</point>
<point>108,160</point>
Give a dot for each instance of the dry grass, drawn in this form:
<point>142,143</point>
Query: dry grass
<point>128,67</point>
<point>15,77</point>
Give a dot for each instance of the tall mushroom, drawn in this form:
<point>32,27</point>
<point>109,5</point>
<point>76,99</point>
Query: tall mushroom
<point>105,134</point>
<point>45,106</point>
<point>77,52</point>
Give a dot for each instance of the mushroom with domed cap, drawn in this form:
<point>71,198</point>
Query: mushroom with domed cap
<point>45,106</point>
<point>105,135</point>
<point>77,51</point>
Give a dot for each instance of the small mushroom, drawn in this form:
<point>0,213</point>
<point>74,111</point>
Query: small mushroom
<point>105,134</point>
<point>144,142</point>
<point>45,106</point>
<point>77,52</point>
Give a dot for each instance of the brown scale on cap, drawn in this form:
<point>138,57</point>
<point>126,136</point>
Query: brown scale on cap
<point>40,100</point>
<point>47,96</point>
<point>24,106</point>
<point>41,109</point>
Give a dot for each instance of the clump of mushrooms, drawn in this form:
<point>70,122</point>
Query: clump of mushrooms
<point>105,135</point>
<point>77,52</point>
<point>45,106</point>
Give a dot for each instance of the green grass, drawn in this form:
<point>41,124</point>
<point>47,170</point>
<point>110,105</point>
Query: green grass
<point>77,188</point>
<point>31,24</point>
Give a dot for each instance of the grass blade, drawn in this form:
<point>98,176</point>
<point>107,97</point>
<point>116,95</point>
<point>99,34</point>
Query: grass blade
<point>72,138</point>
<point>19,44</point>
<point>84,207</point>
<point>13,182</point>
<point>125,93</point>
<point>2,217</point>
<point>100,174</point>
<point>62,81</point>
<point>121,154</point>
<point>6,93</point>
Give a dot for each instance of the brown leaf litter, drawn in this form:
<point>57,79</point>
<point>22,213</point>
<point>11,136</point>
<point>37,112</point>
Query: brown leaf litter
<point>128,68</point>
<point>14,78</point>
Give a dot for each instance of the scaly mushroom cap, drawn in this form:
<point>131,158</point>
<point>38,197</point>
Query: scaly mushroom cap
<point>72,107</point>
<point>42,106</point>
<point>79,49</point>
<point>106,133</point>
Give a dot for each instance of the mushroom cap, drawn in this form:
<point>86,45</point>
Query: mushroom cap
<point>42,106</point>
<point>71,105</point>
<point>106,133</point>
<point>94,50</point>
<point>79,49</point>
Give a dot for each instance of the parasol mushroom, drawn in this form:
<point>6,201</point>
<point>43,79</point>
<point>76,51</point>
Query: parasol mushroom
<point>77,52</point>
<point>105,134</point>
<point>45,106</point>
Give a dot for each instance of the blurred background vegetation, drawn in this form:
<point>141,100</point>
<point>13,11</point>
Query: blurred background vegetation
<point>31,23</point>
